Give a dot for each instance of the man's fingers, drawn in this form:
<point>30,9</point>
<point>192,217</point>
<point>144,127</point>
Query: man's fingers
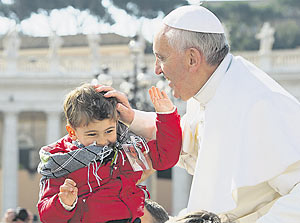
<point>100,88</point>
<point>121,98</point>
<point>121,108</point>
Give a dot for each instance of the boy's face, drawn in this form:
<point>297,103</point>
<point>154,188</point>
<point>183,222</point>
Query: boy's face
<point>104,132</point>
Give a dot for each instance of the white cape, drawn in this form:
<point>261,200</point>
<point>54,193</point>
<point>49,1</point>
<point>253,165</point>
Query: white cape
<point>251,134</point>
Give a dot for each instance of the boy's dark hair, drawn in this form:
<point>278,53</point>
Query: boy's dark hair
<point>84,104</point>
<point>198,217</point>
<point>159,214</point>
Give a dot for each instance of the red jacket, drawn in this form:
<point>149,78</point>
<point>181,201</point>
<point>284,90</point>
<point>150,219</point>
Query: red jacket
<point>118,197</point>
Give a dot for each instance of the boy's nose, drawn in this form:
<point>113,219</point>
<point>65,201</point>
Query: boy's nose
<point>102,142</point>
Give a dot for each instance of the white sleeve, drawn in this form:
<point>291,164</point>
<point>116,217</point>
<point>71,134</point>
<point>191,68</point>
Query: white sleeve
<point>143,124</point>
<point>287,207</point>
<point>67,207</point>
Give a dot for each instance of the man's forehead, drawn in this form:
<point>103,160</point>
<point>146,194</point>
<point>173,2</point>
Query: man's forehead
<point>160,43</point>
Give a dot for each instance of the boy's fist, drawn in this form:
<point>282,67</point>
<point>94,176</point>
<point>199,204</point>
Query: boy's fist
<point>68,192</point>
<point>160,100</point>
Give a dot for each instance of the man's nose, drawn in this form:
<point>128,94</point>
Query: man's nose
<point>157,68</point>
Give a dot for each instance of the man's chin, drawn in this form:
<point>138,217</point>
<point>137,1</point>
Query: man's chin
<point>176,95</point>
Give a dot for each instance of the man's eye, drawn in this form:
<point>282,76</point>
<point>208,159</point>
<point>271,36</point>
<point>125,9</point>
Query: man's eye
<point>161,58</point>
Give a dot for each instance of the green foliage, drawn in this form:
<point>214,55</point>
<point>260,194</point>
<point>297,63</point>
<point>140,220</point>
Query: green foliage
<point>244,21</point>
<point>148,8</point>
<point>287,35</point>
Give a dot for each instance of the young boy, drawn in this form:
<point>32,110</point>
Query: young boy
<point>87,176</point>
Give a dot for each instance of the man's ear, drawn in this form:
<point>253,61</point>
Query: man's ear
<point>194,59</point>
<point>71,132</point>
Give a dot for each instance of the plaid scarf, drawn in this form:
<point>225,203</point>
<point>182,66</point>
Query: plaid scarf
<point>60,164</point>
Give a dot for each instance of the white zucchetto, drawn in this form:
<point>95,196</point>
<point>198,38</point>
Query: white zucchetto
<point>194,18</point>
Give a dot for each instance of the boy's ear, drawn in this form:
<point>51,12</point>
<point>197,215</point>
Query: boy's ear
<point>71,132</point>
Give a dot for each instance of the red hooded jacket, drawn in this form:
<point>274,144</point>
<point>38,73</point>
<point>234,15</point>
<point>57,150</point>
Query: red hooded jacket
<point>118,196</point>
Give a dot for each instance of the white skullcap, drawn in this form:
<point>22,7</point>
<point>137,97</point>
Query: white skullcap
<point>194,18</point>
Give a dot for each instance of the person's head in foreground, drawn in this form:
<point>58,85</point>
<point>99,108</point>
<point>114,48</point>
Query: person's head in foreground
<point>18,215</point>
<point>197,217</point>
<point>154,213</point>
<point>188,48</point>
<point>90,116</point>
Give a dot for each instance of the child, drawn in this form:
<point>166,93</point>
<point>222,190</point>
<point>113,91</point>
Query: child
<point>87,176</point>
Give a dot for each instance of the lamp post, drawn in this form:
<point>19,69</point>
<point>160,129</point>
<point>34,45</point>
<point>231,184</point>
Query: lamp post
<point>103,77</point>
<point>135,85</point>
<point>135,49</point>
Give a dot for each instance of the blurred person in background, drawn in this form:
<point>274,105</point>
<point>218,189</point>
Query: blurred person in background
<point>154,213</point>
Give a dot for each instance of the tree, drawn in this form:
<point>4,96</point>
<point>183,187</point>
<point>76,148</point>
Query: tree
<point>22,9</point>
<point>243,20</point>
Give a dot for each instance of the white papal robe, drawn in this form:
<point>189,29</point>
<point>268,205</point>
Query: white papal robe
<point>241,141</point>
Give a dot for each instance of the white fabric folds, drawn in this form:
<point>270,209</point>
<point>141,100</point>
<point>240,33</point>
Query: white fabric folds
<point>250,135</point>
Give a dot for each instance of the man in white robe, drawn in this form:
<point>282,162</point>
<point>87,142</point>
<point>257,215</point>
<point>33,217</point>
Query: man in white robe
<point>241,130</point>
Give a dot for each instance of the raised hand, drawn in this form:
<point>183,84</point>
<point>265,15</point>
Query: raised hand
<point>68,192</point>
<point>160,100</point>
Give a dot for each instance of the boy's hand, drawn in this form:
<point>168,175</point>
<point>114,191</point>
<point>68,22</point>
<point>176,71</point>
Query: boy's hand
<point>160,100</point>
<point>68,192</point>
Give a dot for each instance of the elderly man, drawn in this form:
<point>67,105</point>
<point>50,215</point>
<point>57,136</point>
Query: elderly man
<point>241,130</point>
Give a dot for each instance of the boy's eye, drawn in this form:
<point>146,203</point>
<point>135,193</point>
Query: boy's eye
<point>109,131</point>
<point>92,134</point>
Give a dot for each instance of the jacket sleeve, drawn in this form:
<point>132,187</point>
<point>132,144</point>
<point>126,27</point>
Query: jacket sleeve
<point>143,124</point>
<point>165,150</point>
<point>286,208</point>
<point>49,207</point>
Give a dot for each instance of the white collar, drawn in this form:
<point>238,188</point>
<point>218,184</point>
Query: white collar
<point>209,88</point>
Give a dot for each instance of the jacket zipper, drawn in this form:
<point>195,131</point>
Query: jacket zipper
<point>122,200</point>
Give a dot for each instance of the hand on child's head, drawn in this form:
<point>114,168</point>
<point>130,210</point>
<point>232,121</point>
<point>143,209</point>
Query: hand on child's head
<point>160,100</point>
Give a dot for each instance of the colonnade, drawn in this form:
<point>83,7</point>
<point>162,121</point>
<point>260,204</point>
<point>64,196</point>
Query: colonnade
<point>10,153</point>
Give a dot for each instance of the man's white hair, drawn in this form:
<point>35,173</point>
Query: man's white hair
<point>214,46</point>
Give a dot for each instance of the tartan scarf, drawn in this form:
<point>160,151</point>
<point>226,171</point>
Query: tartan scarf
<point>60,164</point>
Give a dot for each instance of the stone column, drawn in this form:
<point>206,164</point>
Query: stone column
<point>181,183</point>
<point>53,126</point>
<point>10,162</point>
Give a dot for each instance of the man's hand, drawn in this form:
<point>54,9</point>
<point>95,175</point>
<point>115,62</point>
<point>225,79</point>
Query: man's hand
<point>123,107</point>
<point>160,100</point>
<point>68,192</point>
